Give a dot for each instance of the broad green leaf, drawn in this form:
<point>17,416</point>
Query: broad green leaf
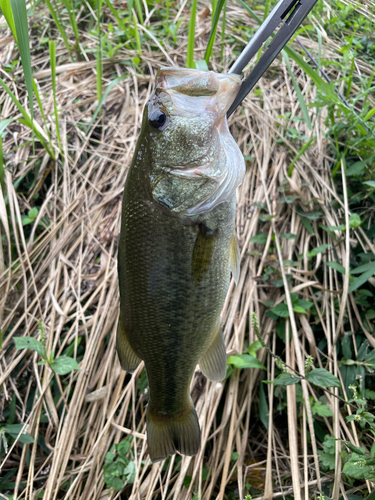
<point>14,429</point>
<point>201,65</point>
<point>263,407</point>
<point>254,347</point>
<point>369,266</point>
<point>123,447</point>
<point>288,236</point>
<point>327,459</point>
<point>356,169</point>
<point>321,409</point>
<point>364,471</point>
<point>322,378</point>
<point>355,449</point>
<point>305,304</point>
<point>284,379</point>
<point>369,115</point>
<point>260,238</point>
<point>317,250</point>
<point>130,473</point>
<point>370,183</point>
<point>4,124</point>
<point>245,361</point>
<point>294,298</point>
<point>354,221</point>
<point>33,213</point>
<point>310,215</point>
<point>335,265</point>
<point>370,359</point>
<point>29,343</point>
<point>361,280</point>
<point>63,365</point>
<point>281,310</point>
<point>299,309</point>
<point>307,224</point>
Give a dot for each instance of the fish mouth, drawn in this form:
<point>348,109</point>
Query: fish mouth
<point>217,91</point>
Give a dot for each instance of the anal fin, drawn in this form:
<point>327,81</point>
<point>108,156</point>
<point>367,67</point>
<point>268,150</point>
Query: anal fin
<point>235,258</point>
<point>128,358</point>
<point>213,362</point>
<point>202,253</point>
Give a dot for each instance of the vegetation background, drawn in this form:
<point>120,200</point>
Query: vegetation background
<point>75,75</point>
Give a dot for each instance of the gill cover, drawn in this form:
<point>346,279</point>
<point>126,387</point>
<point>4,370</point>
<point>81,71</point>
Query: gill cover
<point>195,162</point>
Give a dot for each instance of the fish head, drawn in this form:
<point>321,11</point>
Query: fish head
<point>187,133</point>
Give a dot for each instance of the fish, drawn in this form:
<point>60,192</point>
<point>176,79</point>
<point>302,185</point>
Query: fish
<point>178,248</point>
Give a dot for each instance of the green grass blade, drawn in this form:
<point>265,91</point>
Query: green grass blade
<point>120,22</point>
<point>266,9</point>
<point>115,13</point>
<point>314,75</point>
<point>23,43</point>
<point>2,183</point>
<point>350,77</point>
<point>191,39</point>
<point>102,100</point>
<point>213,10</point>
<point>6,9</point>
<point>138,8</point>
<point>73,22</point>
<point>52,55</point>
<point>301,100</point>
<point>304,148</point>
<point>136,34</point>
<point>213,30</point>
<point>27,120</point>
<point>319,33</point>
<point>99,63</point>
<point>250,11</point>
<point>58,24</point>
<point>223,27</point>
<point>39,101</point>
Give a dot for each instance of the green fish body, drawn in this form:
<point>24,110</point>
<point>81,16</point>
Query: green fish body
<point>177,248</point>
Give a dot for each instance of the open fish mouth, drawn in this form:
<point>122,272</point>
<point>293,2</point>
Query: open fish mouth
<point>216,91</point>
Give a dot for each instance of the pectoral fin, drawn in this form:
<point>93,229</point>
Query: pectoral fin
<point>202,253</point>
<point>213,363</point>
<point>235,258</point>
<point>128,358</point>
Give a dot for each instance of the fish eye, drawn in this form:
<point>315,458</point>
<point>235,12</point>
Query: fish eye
<point>158,119</point>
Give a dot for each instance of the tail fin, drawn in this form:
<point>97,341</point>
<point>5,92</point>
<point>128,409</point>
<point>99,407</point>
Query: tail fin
<point>167,434</point>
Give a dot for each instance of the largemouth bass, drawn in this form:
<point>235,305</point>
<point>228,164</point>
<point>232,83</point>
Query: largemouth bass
<point>178,248</point>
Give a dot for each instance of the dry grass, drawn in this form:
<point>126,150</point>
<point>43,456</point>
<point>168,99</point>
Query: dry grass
<point>66,276</point>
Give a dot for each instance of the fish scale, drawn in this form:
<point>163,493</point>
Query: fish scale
<point>174,268</point>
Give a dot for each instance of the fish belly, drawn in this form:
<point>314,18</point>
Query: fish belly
<point>168,317</point>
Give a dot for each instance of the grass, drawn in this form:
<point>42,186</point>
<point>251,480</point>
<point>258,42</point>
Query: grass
<point>305,224</point>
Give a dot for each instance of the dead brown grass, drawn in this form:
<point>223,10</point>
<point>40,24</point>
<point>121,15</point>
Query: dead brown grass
<point>66,276</point>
